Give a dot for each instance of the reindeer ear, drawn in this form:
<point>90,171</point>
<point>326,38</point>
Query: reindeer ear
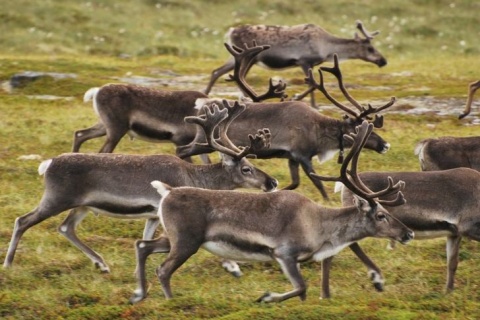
<point>227,160</point>
<point>362,204</point>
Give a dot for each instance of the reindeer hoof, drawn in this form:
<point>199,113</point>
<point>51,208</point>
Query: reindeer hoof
<point>103,267</point>
<point>266,297</point>
<point>137,296</point>
<point>378,286</point>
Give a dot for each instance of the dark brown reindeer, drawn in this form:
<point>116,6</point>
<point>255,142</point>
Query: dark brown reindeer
<point>141,112</point>
<point>118,185</point>
<point>472,87</point>
<point>283,226</point>
<point>298,132</point>
<point>439,204</point>
<point>305,45</point>
<point>449,152</point>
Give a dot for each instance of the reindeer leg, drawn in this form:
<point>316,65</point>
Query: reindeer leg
<point>217,73</point>
<point>67,229</point>
<point>179,253</point>
<point>326,265</point>
<point>308,168</point>
<point>113,138</point>
<point>453,249</point>
<point>294,174</point>
<point>24,223</point>
<point>80,136</point>
<point>305,68</point>
<point>143,249</point>
<point>374,273</point>
<point>291,270</point>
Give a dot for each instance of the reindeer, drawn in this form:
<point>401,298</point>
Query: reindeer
<point>283,226</point>
<point>298,131</point>
<point>440,204</point>
<point>472,87</point>
<point>451,152</point>
<point>305,45</point>
<point>118,185</point>
<point>144,113</point>
<point>448,153</point>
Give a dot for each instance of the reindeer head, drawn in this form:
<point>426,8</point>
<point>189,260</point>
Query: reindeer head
<point>365,50</point>
<point>353,118</point>
<point>216,119</point>
<point>380,222</point>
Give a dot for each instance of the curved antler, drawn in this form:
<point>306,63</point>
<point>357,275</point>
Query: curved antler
<point>214,118</point>
<point>364,31</point>
<point>472,87</point>
<point>244,59</point>
<point>350,177</point>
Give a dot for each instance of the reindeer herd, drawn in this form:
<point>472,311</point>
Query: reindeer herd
<point>195,204</point>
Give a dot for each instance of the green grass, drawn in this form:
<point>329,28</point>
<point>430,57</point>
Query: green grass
<point>432,50</point>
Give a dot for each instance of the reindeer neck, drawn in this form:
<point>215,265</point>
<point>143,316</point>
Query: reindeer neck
<point>210,176</point>
<point>344,48</point>
<point>347,225</point>
<point>330,132</point>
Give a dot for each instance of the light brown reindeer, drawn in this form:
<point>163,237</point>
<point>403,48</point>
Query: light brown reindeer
<point>283,226</point>
<point>118,185</point>
<point>305,45</point>
<point>298,132</point>
<point>439,204</point>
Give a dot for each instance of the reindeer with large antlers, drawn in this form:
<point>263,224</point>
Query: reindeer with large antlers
<point>298,131</point>
<point>305,45</point>
<point>440,204</point>
<point>119,185</point>
<point>283,226</point>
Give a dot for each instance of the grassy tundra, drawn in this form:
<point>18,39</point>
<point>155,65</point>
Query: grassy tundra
<point>432,51</point>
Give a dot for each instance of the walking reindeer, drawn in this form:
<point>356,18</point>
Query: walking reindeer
<point>283,226</point>
<point>299,132</point>
<point>440,204</point>
<point>305,45</point>
<point>118,185</point>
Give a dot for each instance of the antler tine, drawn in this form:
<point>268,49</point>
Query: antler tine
<point>468,106</point>
<point>398,201</point>
<point>370,109</point>
<point>233,112</point>
<point>350,177</point>
<point>209,121</point>
<point>321,86</point>
<point>359,139</point>
<point>364,31</point>
<point>338,74</point>
<point>243,62</point>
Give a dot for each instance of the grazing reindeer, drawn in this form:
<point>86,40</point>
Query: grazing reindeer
<point>143,113</point>
<point>448,153</point>
<point>119,185</point>
<point>440,204</point>
<point>298,131</point>
<point>283,226</point>
<point>472,87</point>
<point>305,45</point>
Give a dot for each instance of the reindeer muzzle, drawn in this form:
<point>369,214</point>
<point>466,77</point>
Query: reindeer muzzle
<point>381,62</point>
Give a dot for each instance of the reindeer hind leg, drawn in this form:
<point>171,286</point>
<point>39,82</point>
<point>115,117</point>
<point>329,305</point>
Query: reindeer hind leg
<point>67,229</point>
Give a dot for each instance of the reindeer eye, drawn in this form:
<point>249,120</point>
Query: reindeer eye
<point>246,170</point>
<point>381,216</point>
